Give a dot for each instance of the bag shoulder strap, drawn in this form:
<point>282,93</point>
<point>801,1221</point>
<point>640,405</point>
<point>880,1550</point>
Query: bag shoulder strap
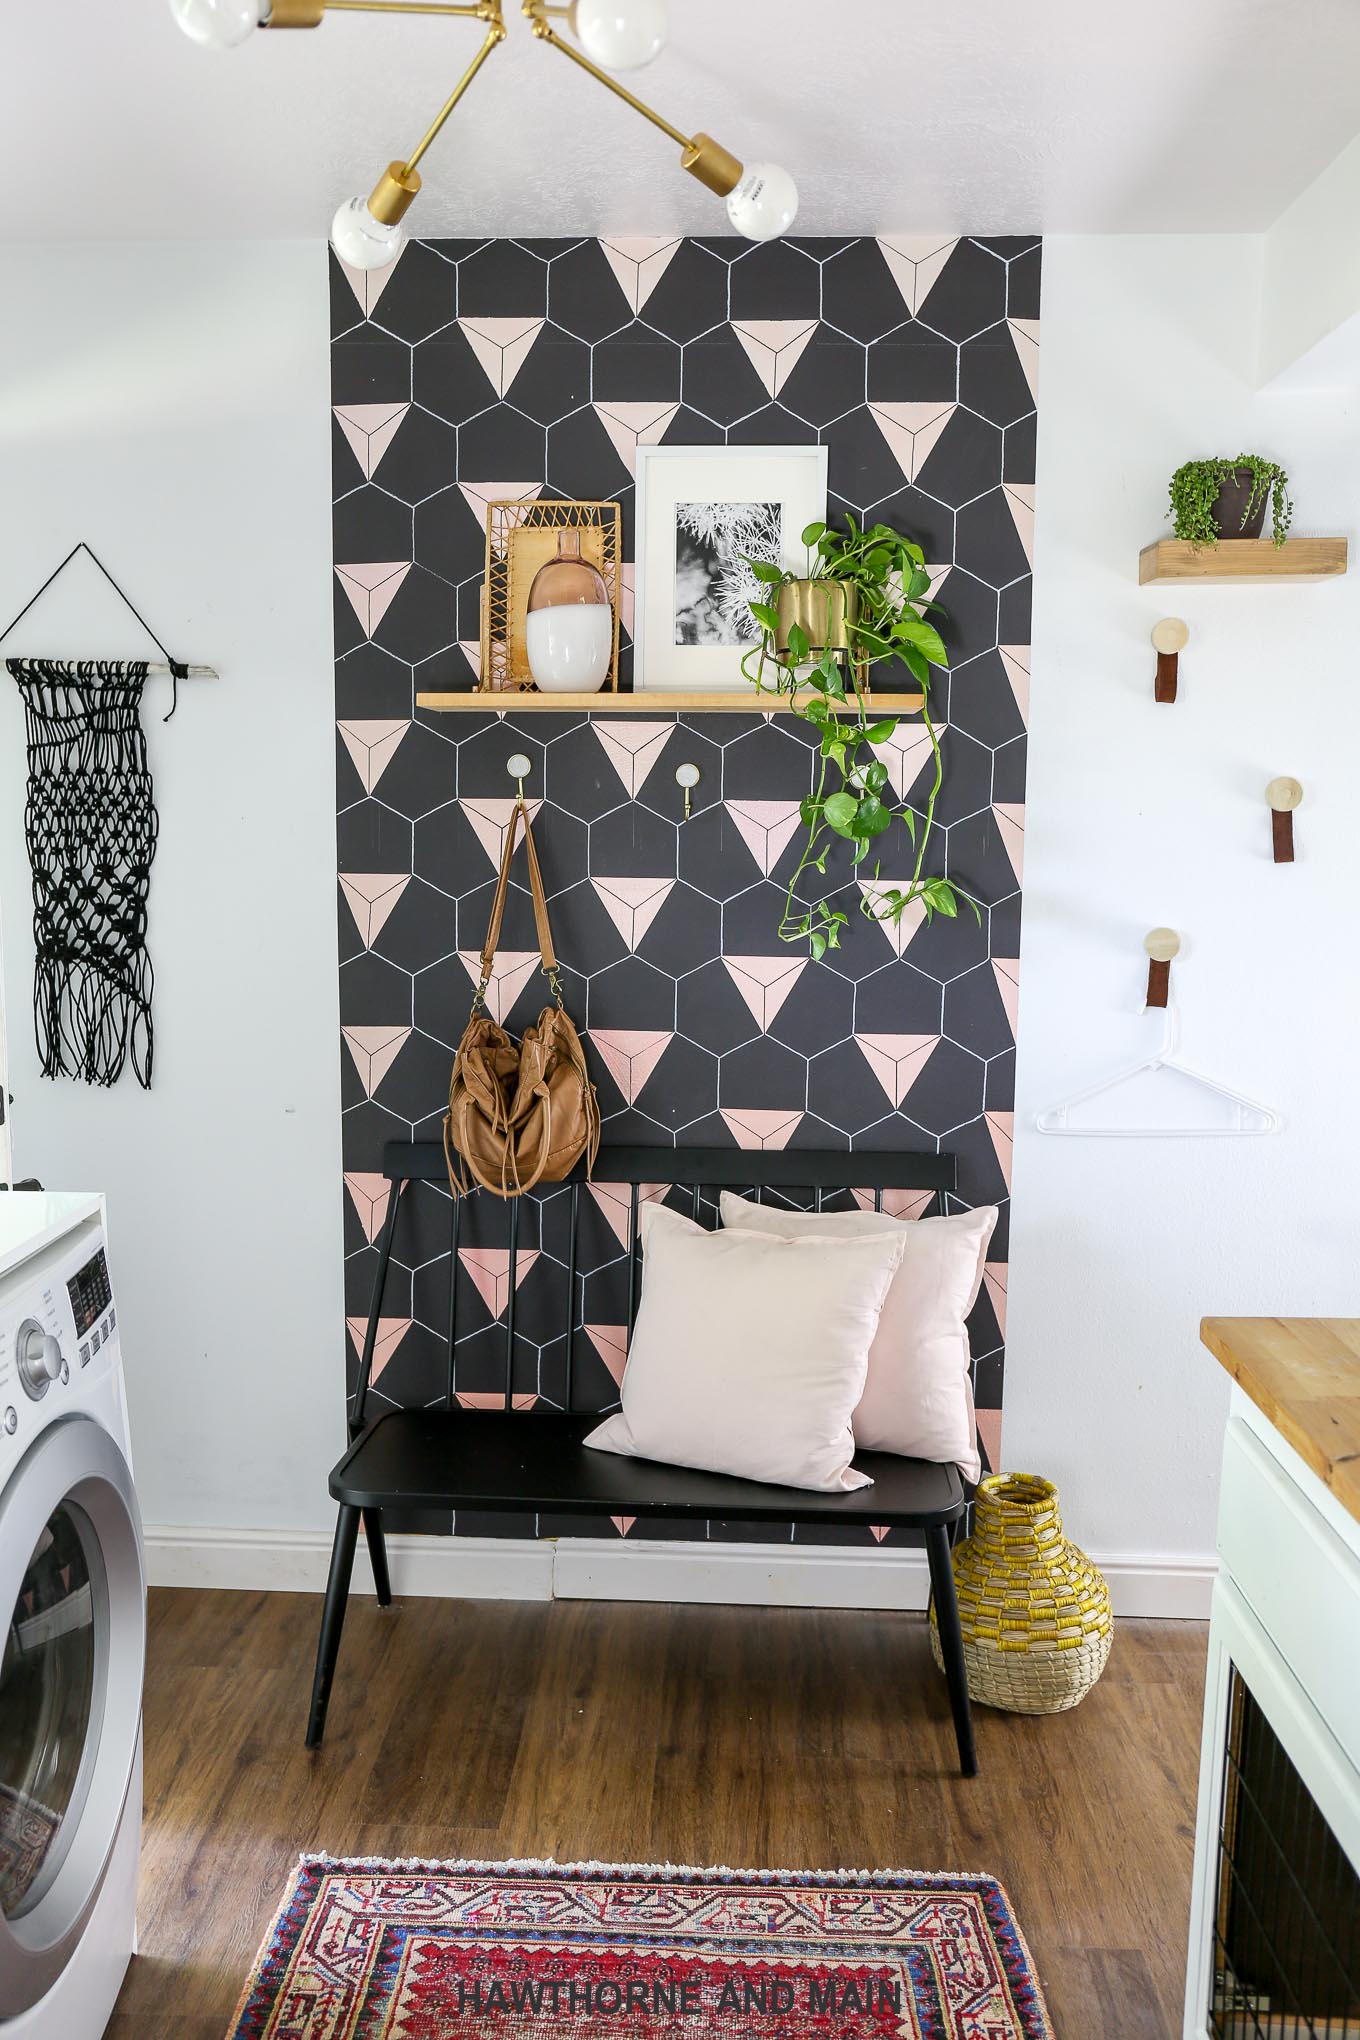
<point>493,933</point>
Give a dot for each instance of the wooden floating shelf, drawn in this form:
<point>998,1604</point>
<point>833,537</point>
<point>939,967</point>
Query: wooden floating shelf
<point>1243,559</point>
<point>649,701</point>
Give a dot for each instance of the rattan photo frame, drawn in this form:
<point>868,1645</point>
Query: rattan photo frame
<point>520,538</point>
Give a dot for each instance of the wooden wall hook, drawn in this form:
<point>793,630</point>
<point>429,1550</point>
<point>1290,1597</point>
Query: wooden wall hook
<point>1282,797</point>
<point>1160,944</point>
<point>1168,638</point>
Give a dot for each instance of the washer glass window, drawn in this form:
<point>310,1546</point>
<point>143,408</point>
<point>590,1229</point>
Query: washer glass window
<point>47,1679</point>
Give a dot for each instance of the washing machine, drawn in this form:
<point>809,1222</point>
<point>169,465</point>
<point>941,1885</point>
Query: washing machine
<point>72,1589</point>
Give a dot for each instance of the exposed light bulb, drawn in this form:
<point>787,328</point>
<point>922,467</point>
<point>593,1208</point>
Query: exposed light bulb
<point>763,206</point>
<point>362,241</point>
<point>219,24</point>
<point>621,35</point>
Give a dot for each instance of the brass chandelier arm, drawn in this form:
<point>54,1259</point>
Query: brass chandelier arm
<point>545,32</point>
<point>467,13</point>
<point>495,36</point>
<point>704,158</point>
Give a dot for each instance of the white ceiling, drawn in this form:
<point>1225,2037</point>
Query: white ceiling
<point>984,115</point>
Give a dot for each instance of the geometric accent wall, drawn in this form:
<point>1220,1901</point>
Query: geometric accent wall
<point>475,370</point>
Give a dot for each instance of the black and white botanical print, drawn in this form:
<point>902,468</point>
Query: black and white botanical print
<point>713,583</point>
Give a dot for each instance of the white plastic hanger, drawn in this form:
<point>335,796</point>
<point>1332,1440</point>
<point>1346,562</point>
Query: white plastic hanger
<point>1249,1117</point>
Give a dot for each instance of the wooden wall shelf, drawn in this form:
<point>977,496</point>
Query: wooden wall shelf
<point>1243,559</point>
<point>651,701</point>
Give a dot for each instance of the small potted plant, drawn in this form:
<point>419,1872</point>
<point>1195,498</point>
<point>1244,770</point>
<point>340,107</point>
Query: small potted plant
<point>1221,498</point>
<point>860,601</point>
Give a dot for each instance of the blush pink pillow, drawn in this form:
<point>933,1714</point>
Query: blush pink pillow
<point>750,1351</point>
<point>918,1398</point>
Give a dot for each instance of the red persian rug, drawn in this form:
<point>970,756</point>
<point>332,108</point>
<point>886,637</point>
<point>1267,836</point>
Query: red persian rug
<point>367,1950</point>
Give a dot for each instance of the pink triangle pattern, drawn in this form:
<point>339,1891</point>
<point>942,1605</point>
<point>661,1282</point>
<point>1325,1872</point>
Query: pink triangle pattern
<point>1020,502</point>
<point>490,818</point>
<point>371,896</point>
<point>374,1050</point>
<point>477,495</point>
<point>492,1398</point>
<point>623,1524</point>
<point>632,904</point>
<point>615,1201</point>
<point>1006,970</point>
<point>489,1268</point>
<point>368,285</point>
<point>1010,820</point>
<point>639,263</point>
<point>370,430</point>
<point>989,1430</point>
<point>911,431</point>
<point>906,753</point>
<point>1025,334</point>
<point>1001,1126</point>
<point>630,1054</point>
<point>611,1343</point>
<point>472,651</point>
<point>750,1128</point>
<point>916,262</point>
<point>501,346</point>
<point>897,1060</point>
<point>633,749</point>
<point>633,425</point>
<point>774,347</point>
<point>371,589</point>
<point>766,827</point>
<point>1015,658</point>
<point>902,932</point>
<point>372,746</point>
<point>878,1531</point>
<point>369,1196</point>
<point>996,1275</point>
<point>511,971</point>
<point>391,1332</point>
<point>898,1203</point>
<point>765,982</point>
<point>627,597</point>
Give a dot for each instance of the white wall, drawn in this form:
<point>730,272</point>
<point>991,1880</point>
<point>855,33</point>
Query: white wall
<point>1140,815</point>
<point>169,405</point>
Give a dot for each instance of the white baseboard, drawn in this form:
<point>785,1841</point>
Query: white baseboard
<point>600,1569</point>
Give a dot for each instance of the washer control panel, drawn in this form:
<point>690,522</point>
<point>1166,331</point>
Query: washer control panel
<point>58,1334</point>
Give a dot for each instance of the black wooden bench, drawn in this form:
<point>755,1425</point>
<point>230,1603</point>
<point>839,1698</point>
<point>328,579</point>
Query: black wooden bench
<point>445,1458</point>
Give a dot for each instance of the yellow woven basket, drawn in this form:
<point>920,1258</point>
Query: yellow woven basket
<point>1035,1612</point>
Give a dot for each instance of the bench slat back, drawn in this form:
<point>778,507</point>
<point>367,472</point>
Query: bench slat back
<point>818,1170</point>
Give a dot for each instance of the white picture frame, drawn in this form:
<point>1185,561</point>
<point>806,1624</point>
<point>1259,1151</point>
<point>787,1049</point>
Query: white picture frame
<point>683,569</point>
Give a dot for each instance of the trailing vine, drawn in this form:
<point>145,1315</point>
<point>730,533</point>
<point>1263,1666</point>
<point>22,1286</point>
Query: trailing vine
<point>851,799</point>
<point>1194,490</point>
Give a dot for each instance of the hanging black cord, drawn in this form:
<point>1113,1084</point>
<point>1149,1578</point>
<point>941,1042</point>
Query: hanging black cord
<point>178,671</point>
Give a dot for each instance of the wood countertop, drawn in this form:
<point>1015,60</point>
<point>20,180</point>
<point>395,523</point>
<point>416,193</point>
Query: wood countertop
<point>1304,1375</point>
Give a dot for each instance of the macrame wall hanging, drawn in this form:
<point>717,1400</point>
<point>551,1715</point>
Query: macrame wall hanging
<point>90,825</point>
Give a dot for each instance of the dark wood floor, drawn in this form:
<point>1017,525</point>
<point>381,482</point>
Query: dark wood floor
<point>755,1737</point>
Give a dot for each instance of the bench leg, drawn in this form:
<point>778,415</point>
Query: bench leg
<point>377,1554</point>
<point>951,1644</point>
<point>332,1620</point>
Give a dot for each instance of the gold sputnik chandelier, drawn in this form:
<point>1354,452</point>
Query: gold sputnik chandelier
<point>613,35</point>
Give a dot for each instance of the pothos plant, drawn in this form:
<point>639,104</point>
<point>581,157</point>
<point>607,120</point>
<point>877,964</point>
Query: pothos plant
<point>852,799</point>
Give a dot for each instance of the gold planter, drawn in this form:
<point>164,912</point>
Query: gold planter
<point>827,611</point>
<point>1035,1612</point>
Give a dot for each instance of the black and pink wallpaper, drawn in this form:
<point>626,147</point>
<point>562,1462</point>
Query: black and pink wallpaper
<point>483,369</point>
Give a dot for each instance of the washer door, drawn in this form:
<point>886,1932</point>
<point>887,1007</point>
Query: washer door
<point>71,1577</point>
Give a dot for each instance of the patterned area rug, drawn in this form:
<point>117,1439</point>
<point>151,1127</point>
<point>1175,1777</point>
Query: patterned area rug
<point>368,1950</point>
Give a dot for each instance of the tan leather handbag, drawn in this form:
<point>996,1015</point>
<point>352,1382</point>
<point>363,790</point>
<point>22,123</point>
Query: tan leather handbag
<point>519,1114</point>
